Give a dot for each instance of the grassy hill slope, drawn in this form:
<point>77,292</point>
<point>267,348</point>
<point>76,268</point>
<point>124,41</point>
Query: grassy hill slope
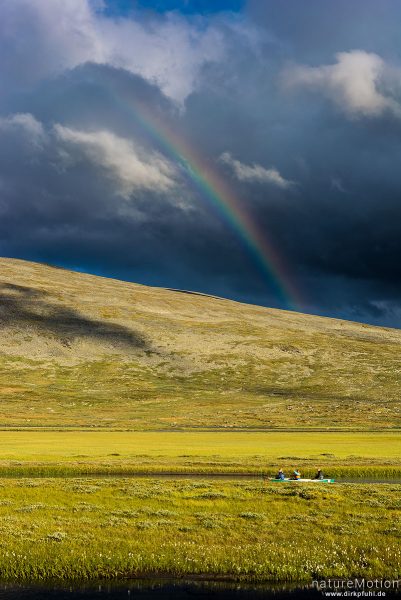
<point>81,350</point>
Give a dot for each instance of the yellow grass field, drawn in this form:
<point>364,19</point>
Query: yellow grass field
<point>51,445</point>
<point>84,451</point>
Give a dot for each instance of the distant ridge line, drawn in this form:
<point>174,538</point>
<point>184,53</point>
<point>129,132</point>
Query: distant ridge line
<point>195,293</point>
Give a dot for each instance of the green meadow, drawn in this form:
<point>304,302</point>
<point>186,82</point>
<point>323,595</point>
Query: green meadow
<point>247,530</point>
<point>340,454</point>
<point>58,524</point>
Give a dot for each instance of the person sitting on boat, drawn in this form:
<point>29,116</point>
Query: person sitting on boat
<point>296,475</point>
<point>280,475</point>
<point>319,474</point>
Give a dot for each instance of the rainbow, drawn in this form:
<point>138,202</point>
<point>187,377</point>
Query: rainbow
<point>221,199</point>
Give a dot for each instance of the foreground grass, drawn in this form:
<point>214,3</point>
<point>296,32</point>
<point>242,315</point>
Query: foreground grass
<point>76,452</point>
<point>97,528</point>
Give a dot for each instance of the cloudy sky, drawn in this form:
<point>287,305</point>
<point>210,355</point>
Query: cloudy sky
<point>245,148</point>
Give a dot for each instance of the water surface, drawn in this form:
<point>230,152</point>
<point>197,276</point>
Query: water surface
<point>159,590</point>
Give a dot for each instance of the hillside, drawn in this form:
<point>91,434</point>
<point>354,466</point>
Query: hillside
<point>81,350</point>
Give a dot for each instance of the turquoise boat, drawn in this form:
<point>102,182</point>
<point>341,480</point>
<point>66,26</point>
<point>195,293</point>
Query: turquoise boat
<point>302,480</point>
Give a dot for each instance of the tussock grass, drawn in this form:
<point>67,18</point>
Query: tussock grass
<point>88,529</point>
<point>366,472</point>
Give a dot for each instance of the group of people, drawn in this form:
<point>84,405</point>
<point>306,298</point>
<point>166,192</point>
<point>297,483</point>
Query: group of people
<point>297,475</point>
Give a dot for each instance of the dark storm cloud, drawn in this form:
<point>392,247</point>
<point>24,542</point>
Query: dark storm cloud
<point>338,227</point>
<point>315,30</point>
<point>297,105</point>
<point>67,208</point>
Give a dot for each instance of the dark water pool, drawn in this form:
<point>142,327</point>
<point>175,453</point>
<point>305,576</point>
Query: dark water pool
<point>158,590</point>
<point>168,590</point>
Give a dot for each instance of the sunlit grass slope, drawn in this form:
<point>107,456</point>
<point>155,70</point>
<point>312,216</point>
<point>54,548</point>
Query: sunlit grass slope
<point>80,350</point>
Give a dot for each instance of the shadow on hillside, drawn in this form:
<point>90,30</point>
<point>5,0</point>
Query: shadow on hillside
<point>23,306</point>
